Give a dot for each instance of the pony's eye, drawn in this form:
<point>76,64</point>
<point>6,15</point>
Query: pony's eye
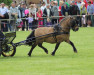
<point>77,21</point>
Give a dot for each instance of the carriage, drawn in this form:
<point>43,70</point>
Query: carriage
<point>7,45</point>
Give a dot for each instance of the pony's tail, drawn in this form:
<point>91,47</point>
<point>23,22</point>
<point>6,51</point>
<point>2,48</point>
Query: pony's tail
<point>31,38</point>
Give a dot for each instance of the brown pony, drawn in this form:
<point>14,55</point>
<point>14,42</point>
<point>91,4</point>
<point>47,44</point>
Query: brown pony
<point>56,34</point>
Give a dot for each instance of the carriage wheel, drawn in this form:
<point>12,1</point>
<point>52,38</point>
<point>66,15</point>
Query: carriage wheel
<point>10,51</point>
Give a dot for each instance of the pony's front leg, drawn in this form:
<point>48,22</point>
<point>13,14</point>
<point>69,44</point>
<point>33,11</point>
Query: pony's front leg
<point>71,43</point>
<point>33,46</point>
<point>56,47</point>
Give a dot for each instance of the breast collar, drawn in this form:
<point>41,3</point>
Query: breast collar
<point>59,32</point>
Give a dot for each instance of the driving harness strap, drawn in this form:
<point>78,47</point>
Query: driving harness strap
<point>58,33</point>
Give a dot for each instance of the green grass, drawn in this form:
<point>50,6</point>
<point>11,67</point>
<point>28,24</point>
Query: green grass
<point>65,62</point>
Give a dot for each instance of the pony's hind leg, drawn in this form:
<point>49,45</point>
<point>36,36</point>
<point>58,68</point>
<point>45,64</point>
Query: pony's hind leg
<point>40,45</point>
<point>33,46</point>
<point>56,47</point>
<point>71,43</point>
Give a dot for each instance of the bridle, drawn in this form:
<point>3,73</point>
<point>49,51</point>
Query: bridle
<point>71,27</point>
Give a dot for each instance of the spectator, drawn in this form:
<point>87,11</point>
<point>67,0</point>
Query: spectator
<point>78,3</point>
<point>90,12</point>
<point>47,13</point>
<point>40,19</point>
<point>22,9</point>
<point>93,14</point>
<point>32,11</point>
<point>8,22</point>
<point>43,6</point>
<point>83,11</point>
<point>64,10</point>
<point>51,4</point>
<point>14,15</point>
<point>30,20</point>
<point>60,5</point>
<point>36,8</point>
<point>49,24</point>
<point>56,3</point>
<point>73,9</point>
<point>55,13</point>
<point>4,15</point>
<point>26,16</point>
<point>86,2</point>
<point>79,6</point>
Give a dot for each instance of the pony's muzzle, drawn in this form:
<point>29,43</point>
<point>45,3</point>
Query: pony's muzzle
<point>76,29</point>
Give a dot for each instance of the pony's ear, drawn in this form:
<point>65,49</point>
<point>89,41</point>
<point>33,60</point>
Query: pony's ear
<point>71,17</point>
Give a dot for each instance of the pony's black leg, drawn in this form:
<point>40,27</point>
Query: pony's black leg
<point>33,46</point>
<point>75,50</point>
<point>71,43</point>
<point>0,48</point>
<point>40,45</point>
<point>56,47</point>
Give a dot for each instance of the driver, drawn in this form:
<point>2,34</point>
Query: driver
<point>1,39</point>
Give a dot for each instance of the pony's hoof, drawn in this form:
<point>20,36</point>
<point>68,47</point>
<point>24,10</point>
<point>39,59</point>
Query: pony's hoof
<point>46,52</point>
<point>29,55</point>
<point>75,52</point>
<point>53,54</point>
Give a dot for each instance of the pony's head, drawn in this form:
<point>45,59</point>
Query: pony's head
<point>74,24</point>
<point>69,23</point>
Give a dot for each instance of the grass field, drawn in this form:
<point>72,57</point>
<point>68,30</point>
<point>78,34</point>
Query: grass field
<point>65,62</point>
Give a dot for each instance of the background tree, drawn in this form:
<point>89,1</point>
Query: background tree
<point>7,2</point>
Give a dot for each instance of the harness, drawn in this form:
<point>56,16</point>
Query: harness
<point>57,31</point>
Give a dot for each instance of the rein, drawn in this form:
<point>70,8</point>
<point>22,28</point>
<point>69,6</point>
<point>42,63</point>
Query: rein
<point>39,38</point>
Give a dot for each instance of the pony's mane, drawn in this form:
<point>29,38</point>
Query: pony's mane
<point>63,19</point>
